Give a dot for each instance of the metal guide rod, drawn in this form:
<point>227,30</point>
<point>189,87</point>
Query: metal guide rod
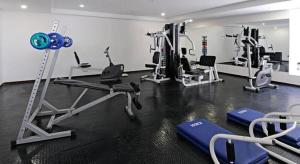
<point>53,62</point>
<point>50,73</point>
<point>36,86</point>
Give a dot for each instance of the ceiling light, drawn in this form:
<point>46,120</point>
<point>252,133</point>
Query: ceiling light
<point>275,28</point>
<point>263,24</point>
<point>188,21</point>
<point>24,6</point>
<point>81,5</point>
<point>163,14</point>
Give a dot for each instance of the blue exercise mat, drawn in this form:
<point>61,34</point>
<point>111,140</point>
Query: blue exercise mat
<point>245,116</point>
<point>200,132</point>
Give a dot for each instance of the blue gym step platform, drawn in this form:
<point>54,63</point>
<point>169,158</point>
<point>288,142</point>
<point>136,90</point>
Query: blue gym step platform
<point>245,116</point>
<point>200,132</point>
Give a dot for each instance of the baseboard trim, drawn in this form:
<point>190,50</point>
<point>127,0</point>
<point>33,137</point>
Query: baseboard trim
<point>94,75</point>
<point>137,71</point>
<point>274,82</point>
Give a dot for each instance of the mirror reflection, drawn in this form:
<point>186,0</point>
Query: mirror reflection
<point>270,44</point>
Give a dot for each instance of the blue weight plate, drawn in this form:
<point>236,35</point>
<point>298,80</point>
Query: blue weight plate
<point>68,42</point>
<point>56,41</point>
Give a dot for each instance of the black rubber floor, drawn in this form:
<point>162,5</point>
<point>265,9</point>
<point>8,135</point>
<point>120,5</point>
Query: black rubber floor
<point>106,135</point>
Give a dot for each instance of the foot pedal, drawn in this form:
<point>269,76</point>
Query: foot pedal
<point>135,87</point>
<point>13,145</point>
<point>137,104</point>
<point>73,135</point>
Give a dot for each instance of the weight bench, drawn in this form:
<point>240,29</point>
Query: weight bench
<point>114,90</point>
<point>30,131</point>
<point>244,116</point>
<point>200,132</point>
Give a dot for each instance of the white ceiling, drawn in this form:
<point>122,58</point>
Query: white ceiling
<point>174,9</point>
<point>33,5</point>
<point>151,8</point>
<point>270,23</point>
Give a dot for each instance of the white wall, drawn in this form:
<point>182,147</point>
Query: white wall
<point>215,41</point>
<point>1,69</point>
<point>277,76</point>
<point>91,35</point>
<point>294,65</point>
<point>279,38</point>
<point>218,45</point>
<point>260,17</point>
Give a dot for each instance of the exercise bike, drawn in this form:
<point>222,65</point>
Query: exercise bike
<point>263,77</point>
<point>113,73</point>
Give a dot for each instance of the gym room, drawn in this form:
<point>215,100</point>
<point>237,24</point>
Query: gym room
<point>149,81</point>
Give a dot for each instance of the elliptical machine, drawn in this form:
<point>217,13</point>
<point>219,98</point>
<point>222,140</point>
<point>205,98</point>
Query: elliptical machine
<point>263,77</point>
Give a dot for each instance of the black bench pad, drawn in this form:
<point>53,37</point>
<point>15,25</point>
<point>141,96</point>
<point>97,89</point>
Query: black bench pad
<point>122,88</point>
<point>150,65</point>
<point>83,84</point>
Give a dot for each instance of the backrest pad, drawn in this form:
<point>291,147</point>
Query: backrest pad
<point>208,61</point>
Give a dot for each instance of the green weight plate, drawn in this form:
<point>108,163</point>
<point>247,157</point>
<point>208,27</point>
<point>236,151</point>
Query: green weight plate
<point>40,41</point>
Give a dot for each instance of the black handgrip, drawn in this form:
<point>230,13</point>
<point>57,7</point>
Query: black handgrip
<point>271,129</point>
<point>135,87</point>
<point>283,126</point>
<point>230,152</point>
<point>137,104</point>
<point>232,36</point>
<point>77,58</point>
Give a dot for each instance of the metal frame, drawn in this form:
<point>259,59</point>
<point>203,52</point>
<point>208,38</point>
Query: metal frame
<point>274,140</point>
<point>186,79</point>
<point>159,36</point>
<point>269,139</point>
<point>27,119</point>
<point>29,116</point>
<point>213,77</point>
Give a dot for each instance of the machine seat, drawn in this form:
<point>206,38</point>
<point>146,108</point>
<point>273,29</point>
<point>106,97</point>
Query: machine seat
<point>150,66</point>
<point>84,65</point>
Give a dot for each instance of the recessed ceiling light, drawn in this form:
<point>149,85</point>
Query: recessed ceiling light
<point>81,5</point>
<point>275,27</point>
<point>188,21</point>
<point>24,6</point>
<point>163,14</point>
<point>263,24</point>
